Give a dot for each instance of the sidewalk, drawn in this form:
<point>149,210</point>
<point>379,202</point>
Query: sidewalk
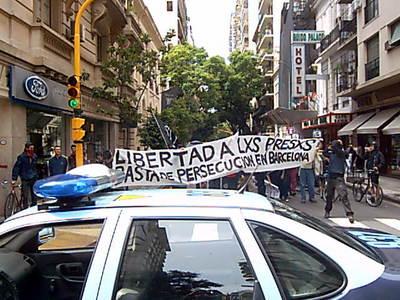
<point>391,188</point>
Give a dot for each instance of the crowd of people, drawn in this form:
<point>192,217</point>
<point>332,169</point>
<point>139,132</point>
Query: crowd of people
<point>329,164</point>
<point>26,168</point>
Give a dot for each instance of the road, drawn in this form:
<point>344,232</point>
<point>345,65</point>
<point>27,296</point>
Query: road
<point>386,217</point>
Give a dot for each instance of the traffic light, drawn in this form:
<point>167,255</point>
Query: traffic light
<point>78,133</point>
<point>74,92</point>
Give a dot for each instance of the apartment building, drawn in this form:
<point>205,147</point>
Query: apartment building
<point>171,15</point>
<point>376,87</point>
<point>36,55</point>
<point>239,27</point>
<point>337,61</point>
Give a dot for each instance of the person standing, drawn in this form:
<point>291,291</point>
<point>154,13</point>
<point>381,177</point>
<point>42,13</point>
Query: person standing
<point>58,164</point>
<point>307,180</point>
<point>72,158</point>
<point>375,161</point>
<point>319,167</point>
<point>26,169</point>
<point>336,170</point>
<point>292,173</point>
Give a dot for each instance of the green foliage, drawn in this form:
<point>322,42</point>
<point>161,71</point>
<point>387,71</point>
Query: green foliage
<point>125,57</point>
<point>214,92</point>
<point>149,133</point>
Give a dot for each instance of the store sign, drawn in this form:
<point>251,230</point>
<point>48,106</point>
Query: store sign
<point>307,36</point>
<point>36,87</point>
<point>299,72</point>
<point>29,89</point>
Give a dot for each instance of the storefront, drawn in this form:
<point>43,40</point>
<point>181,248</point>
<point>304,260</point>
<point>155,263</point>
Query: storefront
<point>393,131</point>
<point>48,117</point>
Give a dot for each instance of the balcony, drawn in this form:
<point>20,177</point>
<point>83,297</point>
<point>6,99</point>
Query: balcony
<point>372,69</point>
<point>265,40</point>
<point>329,39</point>
<point>346,81</point>
<point>348,30</point>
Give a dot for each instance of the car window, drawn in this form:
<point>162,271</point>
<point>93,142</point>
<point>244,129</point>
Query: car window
<point>184,259</point>
<point>72,237</point>
<point>55,257</point>
<point>302,271</point>
<point>333,232</point>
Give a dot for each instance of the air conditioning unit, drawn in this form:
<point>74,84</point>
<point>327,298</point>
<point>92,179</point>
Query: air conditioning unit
<point>389,45</point>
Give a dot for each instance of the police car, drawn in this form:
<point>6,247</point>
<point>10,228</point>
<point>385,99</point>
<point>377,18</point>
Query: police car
<point>82,242</point>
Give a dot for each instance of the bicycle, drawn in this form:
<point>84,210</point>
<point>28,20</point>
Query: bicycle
<point>13,204</point>
<point>360,190</point>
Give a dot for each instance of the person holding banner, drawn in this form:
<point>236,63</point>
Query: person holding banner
<point>307,180</point>
<point>336,169</point>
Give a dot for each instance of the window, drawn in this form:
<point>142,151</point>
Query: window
<point>54,257</point>
<point>170,6</point>
<point>372,65</point>
<point>49,12</point>
<point>370,10</point>
<point>184,259</point>
<point>395,34</point>
<point>300,269</point>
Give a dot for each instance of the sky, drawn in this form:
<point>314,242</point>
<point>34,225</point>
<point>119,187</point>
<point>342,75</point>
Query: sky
<point>210,20</point>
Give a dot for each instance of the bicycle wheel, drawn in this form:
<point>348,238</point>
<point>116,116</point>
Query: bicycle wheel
<point>358,191</point>
<point>11,205</point>
<point>375,201</point>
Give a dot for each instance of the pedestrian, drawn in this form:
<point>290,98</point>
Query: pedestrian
<point>293,173</point>
<point>307,180</point>
<point>319,167</point>
<point>280,178</point>
<point>108,158</point>
<point>260,182</point>
<point>337,167</point>
<point>72,158</point>
<point>375,161</point>
<point>99,158</point>
<point>26,169</point>
<point>58,164</point>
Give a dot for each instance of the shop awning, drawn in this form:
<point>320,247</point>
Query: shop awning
<point>373,124</point>
<point>393,127</point>
<point>354,124</point>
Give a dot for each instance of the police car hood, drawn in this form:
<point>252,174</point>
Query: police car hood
<point>385,245</point>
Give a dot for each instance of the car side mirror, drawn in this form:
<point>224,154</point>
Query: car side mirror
<point>127,294</point>
<point>46,234</point>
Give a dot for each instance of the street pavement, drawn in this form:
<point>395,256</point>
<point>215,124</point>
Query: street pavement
<point>385,218</point>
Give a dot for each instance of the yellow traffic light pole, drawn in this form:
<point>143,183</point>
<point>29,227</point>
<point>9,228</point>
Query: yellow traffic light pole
<point>77,122</point>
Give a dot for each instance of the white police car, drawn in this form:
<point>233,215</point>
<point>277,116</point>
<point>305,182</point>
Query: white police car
<point>183,244</point>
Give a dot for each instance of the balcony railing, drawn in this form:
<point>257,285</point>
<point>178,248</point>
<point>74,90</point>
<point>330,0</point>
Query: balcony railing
<point>349,29</point>
<point>346,81</point>
<point>372,69</point>
<point>329,39</point>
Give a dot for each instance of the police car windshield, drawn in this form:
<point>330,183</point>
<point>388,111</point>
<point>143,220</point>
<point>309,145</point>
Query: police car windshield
<point>334,232</point>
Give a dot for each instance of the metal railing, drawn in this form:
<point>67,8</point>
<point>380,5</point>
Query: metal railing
<point>330,39</point>
<point>349,29</point>
<point>372,69</point>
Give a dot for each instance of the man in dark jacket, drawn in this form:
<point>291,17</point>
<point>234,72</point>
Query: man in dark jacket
<point>375,161</point>
<point>72,158</point>
<point>58,164</point>
<point>25,168</point>
<point>336,169</point>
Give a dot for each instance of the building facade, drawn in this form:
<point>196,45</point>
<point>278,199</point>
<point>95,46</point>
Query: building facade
<point>376,87</point>
<point>171,15</point>
<point>36,57</point>
<point>239,27</point>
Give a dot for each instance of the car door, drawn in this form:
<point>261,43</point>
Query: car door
<point>186,253</point>
<point>308,264</point>
<point>67,249</point>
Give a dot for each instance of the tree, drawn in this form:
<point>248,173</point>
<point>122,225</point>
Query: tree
<point>244,82</point>
<point>149,132</point>
<point>124,57</point>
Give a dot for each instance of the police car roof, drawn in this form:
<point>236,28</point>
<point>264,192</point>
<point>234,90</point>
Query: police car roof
<point>172,198</point>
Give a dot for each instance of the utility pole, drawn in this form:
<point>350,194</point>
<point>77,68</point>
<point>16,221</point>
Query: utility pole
<point>74,88</point>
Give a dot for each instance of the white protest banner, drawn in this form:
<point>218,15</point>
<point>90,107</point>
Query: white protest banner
<point>212,160</point>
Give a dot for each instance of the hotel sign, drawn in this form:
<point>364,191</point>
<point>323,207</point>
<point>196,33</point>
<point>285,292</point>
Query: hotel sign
<point>307,36</point>
<point>299,71</point>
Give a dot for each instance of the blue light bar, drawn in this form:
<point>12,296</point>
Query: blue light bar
<point>78,183</point>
